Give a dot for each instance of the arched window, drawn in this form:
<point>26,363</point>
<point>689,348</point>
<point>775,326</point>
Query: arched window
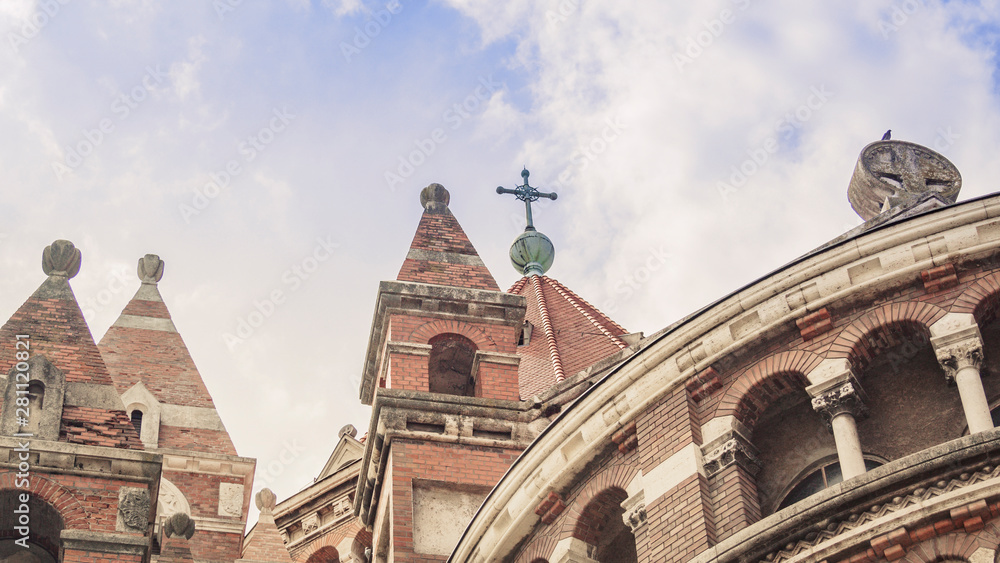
<point>136,418</point>
<point>601,525</point>
<point>327,554</point>
<point>816,479</point>
<point>450,365</point>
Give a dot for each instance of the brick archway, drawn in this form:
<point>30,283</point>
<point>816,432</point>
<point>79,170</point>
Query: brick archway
<point>540,549</point>
<point>73,512</point>
<point>617,476</point>
<point>881,328</point>
<point>982,299</point>
<point>331,540</point>
<point>957,546</point>
<point>425,332</point>
<point>767,380</point>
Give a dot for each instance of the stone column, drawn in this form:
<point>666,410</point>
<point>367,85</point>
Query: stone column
<point>960,353</point>
<point>841,400</point>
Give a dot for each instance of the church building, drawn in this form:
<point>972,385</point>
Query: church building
<point>838,410</point>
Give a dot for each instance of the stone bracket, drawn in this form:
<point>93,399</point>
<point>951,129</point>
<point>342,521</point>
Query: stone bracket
<point>551,507</point>
<point>635,511</point>
<point>703,384</point>
<point>731,448</point>
<point>939,278</point>
<point>838,395</point>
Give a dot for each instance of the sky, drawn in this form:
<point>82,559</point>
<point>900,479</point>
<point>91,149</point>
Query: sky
<point>272,154</point>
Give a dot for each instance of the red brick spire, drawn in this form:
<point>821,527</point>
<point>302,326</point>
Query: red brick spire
<point>567,334</point>
<point>150,365</point>
<point>441,253</point>
<point>52,325</point>
<point>264,542</point>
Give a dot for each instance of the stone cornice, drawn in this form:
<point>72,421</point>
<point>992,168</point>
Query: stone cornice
<point>78,459</point>
<point>846,273</point>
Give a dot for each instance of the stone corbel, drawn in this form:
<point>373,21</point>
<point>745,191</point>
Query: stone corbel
<point>635,511</point>
<point>730,448</point>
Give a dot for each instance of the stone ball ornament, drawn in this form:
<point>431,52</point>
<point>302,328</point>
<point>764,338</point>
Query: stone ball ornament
<point>61,258</point>
<point>894,173</point>
<point>532,253</point>
<point>266,500</point>
<point>179,525</point>
<point>150,269</point>
<point>435,198</point>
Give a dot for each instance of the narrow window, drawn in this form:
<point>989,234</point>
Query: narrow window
<point>450,365</point>
<point>137,421</point>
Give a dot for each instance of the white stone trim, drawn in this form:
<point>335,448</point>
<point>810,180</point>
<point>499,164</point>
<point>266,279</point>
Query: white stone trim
<point>671,472</point>
<point>145,323</point>
<point>191,417</point>
<point>572,550</point>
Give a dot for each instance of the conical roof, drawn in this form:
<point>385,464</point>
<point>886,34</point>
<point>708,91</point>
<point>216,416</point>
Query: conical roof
<point>52,324</point>
<point>567,334</point>
<point>144,351</point>
<point>441,253</point>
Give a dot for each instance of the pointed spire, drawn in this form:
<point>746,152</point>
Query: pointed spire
<point>55,328</point>
<point>264,542</point>
<point>147,356</point>
<point>441,253</point>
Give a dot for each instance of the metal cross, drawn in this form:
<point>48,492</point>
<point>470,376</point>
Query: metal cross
<point>527,194</point>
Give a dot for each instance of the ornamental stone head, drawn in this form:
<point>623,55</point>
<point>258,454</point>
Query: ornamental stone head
<point>435,198</point>
<point>61,258</point>
<point>150,269</point>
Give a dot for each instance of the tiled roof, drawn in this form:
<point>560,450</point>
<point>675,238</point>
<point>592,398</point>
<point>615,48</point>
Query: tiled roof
<point>55,328</point>
<point>568,334</point>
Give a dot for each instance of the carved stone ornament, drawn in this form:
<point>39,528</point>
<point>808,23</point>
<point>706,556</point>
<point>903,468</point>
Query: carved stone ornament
<point>150,268</point>
<point>734,450</point>
<point>635,511</point>
<point>179,525</point>
<point>957,356</point>
<point>133,510</point>
<point>266,501</point>
<point>230,500</point>
<point>61,258</point>
<point>310,523</point>
<point>844,398</point>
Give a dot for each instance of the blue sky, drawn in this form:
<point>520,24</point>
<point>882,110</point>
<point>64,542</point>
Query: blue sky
<point>237,144</point>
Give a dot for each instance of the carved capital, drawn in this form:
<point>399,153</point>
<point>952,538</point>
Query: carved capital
<point>846,397</point>
<point>953,357</point>
<point>635,512</point>
<point>730,449</point>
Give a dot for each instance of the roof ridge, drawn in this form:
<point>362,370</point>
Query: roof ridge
<point>518,285</point>
<point>575,300</point>
<point>550,336</point>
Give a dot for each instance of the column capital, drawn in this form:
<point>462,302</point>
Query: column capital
<point>729,449</point>
<point>959,349</point>
<point>838,396</point>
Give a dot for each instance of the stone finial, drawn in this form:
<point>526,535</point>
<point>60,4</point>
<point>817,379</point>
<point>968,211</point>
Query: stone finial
<point>266,501</point>
<point>150,268</point>
<point>179,525</point>
<point>894,174</point>
<point>348,430</point>
<point>435,198</point>
<point>61,258</point>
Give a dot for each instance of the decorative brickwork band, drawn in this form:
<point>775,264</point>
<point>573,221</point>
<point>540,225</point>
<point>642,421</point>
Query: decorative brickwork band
<point>844,398</point>
<point>626,438</point>
<point>940,278</point>
<point>550,508</point>
<point>734,450</point>
<point>814,324</point>
<point>635,511</point>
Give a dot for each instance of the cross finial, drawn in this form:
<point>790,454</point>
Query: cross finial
<point>527,194</point>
